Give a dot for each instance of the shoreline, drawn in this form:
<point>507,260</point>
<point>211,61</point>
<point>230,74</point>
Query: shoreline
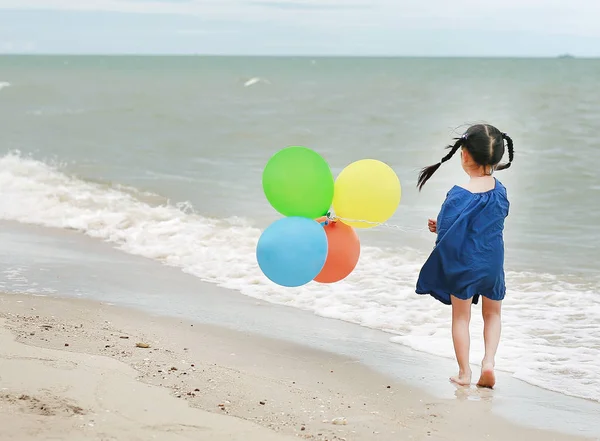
<point>280,385</point>
<point>78,266</point>
<point>67,264</point>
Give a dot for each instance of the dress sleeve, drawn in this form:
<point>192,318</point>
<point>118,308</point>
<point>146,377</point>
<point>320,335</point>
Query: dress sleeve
<point>442,217</point>
<point>443,209</point>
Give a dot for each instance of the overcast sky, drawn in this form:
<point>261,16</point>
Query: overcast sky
<point>308,27</point>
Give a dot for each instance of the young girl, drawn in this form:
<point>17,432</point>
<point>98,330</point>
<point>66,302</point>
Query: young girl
<point>468,258</point>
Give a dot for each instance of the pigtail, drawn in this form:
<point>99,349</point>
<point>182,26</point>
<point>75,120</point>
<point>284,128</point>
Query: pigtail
<point>511,152</point>
<point>428,172</point>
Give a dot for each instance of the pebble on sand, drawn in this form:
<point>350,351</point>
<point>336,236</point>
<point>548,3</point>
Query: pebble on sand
<point>142,345</point>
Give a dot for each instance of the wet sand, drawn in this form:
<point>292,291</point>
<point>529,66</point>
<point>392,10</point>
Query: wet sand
<point>84,369</point>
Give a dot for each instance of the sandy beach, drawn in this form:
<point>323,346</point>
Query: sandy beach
<point>74,369</point>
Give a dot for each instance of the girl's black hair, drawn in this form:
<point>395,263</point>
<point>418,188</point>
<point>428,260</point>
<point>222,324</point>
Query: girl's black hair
<point>484,142</point>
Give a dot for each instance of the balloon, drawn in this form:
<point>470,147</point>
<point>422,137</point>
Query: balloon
<point>298,182</point>
<point>366,190</point>
<point>292,251</point>
<point>343,252</point>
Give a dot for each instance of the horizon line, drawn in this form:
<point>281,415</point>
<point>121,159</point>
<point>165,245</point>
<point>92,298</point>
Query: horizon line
<point>191,54</point>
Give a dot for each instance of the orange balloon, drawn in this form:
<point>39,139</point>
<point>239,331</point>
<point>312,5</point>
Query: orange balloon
<point>342,254</point>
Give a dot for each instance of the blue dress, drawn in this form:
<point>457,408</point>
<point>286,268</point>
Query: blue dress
<point>468,258</point>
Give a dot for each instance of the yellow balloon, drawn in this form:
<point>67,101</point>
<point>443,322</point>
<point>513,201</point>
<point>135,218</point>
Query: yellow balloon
<point>366,193</point>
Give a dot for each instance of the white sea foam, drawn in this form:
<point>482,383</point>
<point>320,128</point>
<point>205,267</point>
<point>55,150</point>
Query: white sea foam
<point>551,332</point>
<point>255,80</point>
<point>4,84</point>
<point>14,278</point>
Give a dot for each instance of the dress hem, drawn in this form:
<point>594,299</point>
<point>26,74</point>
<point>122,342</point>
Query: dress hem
<point>446,299</point>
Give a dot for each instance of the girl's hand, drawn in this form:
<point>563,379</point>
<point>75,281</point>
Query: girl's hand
<point>432,225</point>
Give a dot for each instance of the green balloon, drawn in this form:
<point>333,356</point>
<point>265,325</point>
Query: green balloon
<point>298,182</point>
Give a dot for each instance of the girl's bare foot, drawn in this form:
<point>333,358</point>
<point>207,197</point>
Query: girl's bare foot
<point>488,378</point>
<point>462,379</point>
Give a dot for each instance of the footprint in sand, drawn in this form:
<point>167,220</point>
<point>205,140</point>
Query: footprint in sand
<point>473,394</point>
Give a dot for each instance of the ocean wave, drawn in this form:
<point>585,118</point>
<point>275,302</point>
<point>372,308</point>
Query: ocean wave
<point>4,84</point>
<point>551,329</point>
<point>255,80</point>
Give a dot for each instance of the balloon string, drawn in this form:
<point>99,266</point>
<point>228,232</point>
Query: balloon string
<point>332,218</point>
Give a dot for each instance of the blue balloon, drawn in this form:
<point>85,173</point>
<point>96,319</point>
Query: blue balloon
<point>292,251</point>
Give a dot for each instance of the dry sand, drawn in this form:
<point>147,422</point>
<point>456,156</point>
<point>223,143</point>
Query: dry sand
<point>81,370</point>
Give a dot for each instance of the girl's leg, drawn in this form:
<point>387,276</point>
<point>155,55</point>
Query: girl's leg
<point>491,334</point>
<point>461,316</point>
